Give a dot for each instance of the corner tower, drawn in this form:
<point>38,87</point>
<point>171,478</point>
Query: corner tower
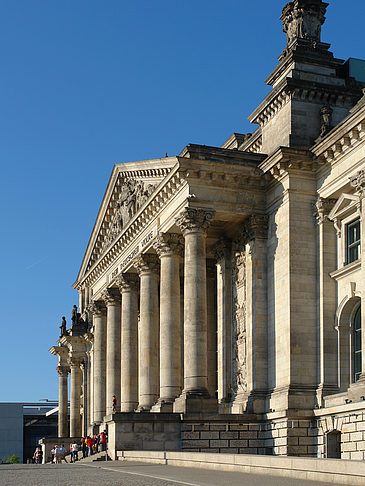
<point>311,92</point>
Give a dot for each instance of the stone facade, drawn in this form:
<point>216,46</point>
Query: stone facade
<point>221,290</point>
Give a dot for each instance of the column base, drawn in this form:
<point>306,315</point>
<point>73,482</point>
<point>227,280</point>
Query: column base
<point>195,402</point>
<point>163,405</point>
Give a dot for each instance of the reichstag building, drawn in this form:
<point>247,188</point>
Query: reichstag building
<point>220,295</point>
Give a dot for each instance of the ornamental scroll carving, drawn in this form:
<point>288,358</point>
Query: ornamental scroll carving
<point>239,365</point>
<point>132,197</point>
<point>303,19</point>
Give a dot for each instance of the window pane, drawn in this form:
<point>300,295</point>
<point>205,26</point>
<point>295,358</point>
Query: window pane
<point>357,351</point>
<point>353,241</point>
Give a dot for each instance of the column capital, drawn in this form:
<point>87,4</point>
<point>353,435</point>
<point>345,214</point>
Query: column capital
<point>358,182</point>
<point>127,282</point>
<point>323,207</point>
<point>256,226</point>
<point>96,308</point>
<point>221,249</point>
<point>147,263</point>
<point>193,220</point>
<point>75,361</point>
<point>63,370</point>
<point>168,244</point>
<point>111,296</point>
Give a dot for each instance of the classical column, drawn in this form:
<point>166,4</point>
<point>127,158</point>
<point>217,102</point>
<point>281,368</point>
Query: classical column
<point>169,247</point>
<point>99,361</point>
<point>327,262</point>
<point>194,224</point>
<point>75,417</point>
<point>63,400</point>
<point>212,327</point>
<point>111,297</point>
<point>148,269</point>
<point>128,285</point>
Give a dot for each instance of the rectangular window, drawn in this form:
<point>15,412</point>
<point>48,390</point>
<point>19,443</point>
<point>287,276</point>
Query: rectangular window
<point>357,345</point>
<point>353,241</point>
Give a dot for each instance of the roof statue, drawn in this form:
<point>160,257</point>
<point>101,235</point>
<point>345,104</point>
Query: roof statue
<point>303,19</point>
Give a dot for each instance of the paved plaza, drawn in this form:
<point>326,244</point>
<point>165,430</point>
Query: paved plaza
<point>120,473</point>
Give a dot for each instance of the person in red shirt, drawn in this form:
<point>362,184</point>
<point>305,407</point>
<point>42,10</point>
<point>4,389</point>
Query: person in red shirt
<point>103,440</point>
<point>89,442</point>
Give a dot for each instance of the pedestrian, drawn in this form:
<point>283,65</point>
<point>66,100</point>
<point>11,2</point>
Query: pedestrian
<point>58,454</point>
<point>96,442</point>
<point>83,447</point>
<point>53,454</point>
<point>75,451</point>
<point>89,443</point>
<point>114,407</point>
<point>103,441</point>
<point>63,453</point>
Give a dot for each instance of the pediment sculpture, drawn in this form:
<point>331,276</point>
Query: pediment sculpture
<point>132,197</point>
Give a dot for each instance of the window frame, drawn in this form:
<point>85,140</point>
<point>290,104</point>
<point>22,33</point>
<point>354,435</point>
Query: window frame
<point>355,244</point>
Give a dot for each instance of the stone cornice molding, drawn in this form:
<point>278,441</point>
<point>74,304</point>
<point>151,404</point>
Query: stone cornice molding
<point>111,297</point>
<point>323,207</point>
<point>341,139</point>
<point>96,308</point>
<point>295,89</point>
<point>284,160</point>
<point>193,220</point>
<point>127,282</point>
<point>147,263</point>
<point>169,244</point>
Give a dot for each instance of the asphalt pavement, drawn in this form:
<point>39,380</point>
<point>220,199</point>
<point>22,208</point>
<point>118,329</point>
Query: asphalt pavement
<point>120,473</point>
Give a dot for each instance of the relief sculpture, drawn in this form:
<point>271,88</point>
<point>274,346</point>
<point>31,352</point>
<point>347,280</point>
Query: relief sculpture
<point>132,197</point>
<point>239,381</point>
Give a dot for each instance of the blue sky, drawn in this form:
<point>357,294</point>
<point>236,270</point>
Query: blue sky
<point>86,84</point>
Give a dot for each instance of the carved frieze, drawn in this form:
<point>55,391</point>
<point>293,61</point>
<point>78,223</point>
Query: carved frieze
<point>239,364</point>
<point>132,196</point>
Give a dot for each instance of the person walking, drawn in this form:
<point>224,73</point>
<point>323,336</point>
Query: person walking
<point>75,451</point>
<point>103,441</point>
<point>83,447</point>
<point>89,443</point>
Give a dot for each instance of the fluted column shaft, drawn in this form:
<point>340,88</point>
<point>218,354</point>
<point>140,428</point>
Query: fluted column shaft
<point>193,224</point>
<point>147,266</point>
<point>62,401</point>
<point>99,362</point>
<point>169,247</point>
<point>75,417</point>
<point>113,359</point>
<point>128,285</point>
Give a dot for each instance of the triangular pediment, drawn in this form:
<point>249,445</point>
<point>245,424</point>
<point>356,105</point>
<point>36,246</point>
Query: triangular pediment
<point>130,187</point>
<point>344,204</point>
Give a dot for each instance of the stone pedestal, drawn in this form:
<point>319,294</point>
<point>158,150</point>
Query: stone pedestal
<point>128,285</point>
<point>111,297</point>
<point>148,269</point>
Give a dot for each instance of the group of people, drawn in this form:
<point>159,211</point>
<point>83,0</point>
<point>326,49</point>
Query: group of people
<point>59,453</point>
<point>92,444</point>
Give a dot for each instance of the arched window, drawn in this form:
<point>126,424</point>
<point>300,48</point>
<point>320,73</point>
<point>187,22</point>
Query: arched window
<point>357,344</point>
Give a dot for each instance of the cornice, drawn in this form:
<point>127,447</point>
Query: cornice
<point>285,159</point>
<point>341,139</point>
<point>302,90</point>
